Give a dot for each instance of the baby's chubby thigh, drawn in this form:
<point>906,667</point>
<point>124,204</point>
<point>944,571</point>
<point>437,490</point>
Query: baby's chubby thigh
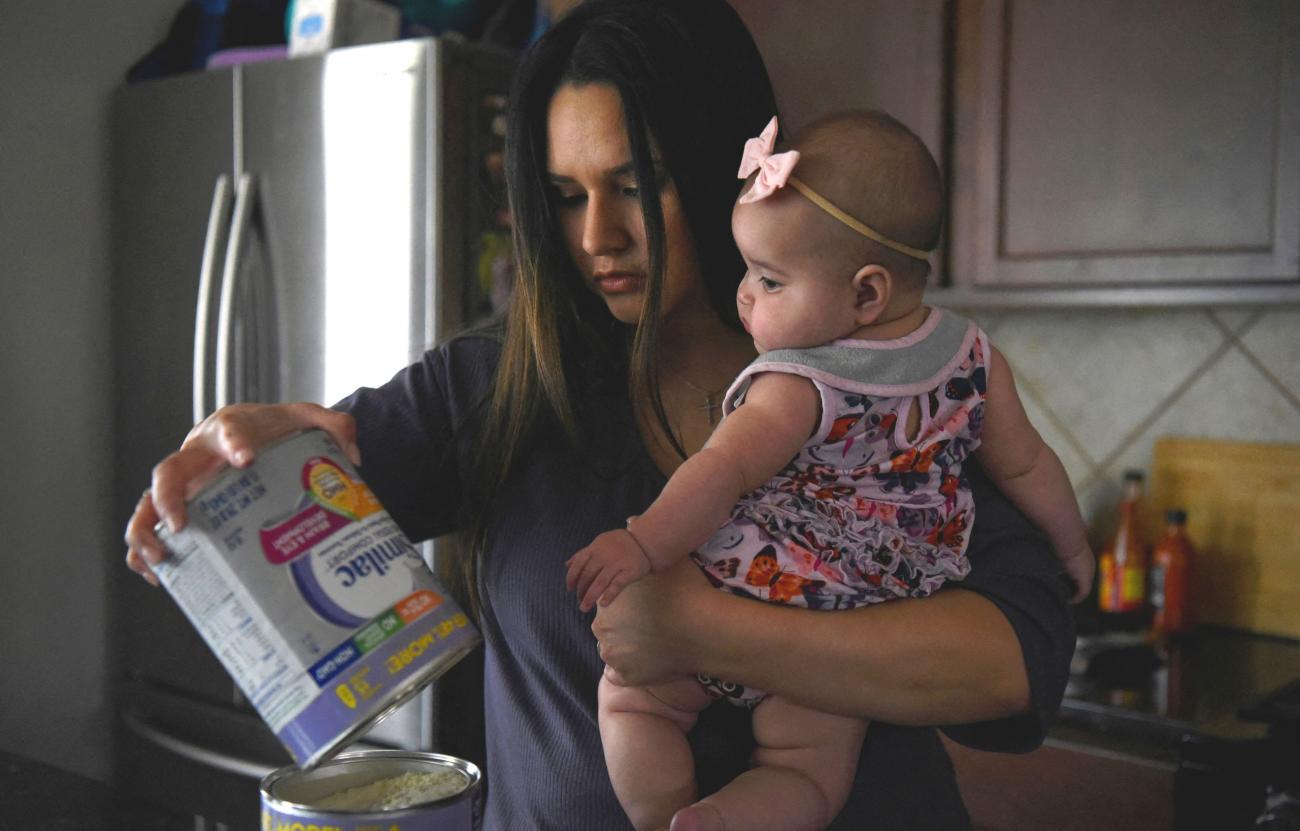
<point>643,733</point>
<point>677,701</point>
<point>822,746</point>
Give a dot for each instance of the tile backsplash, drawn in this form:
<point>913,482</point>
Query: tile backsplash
<point>1102,385</point>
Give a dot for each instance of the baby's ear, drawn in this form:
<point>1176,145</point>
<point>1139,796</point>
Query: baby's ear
<point>872,285</point>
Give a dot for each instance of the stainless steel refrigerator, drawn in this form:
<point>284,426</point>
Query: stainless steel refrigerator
<point>282,231</point>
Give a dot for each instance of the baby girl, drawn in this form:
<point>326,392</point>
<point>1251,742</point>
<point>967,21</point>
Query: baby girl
<point>835,476</point>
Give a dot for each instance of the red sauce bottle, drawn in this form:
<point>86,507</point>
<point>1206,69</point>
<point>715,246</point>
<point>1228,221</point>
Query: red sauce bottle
<point>1122,583</point>
<point>1171,576</point>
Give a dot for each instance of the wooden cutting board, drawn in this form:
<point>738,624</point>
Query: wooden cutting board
<point>1243,516</point>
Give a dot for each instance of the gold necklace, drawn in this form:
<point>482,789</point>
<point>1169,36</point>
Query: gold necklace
<point>712,400</point>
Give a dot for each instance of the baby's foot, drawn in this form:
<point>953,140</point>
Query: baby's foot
<point>698,817</point>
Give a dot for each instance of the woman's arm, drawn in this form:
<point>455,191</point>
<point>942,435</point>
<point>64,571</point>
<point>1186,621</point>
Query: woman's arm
<point>405,446</point>
<point>996,646</point>
<point>950,657</point>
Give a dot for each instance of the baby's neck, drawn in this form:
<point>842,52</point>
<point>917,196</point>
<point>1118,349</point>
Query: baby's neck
<point>894,323</point>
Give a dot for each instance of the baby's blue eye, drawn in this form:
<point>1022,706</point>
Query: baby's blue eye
<point>768,283</point>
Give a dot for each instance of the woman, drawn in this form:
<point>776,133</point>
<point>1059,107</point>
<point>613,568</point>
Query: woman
<point>626,122</point>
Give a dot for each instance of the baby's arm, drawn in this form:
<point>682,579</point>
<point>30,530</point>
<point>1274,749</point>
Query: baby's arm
<point>750,446</point>
<point>1031,475</point>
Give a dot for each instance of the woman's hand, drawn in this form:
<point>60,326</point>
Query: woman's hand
<point>650,633</point>
<point>230,436</point>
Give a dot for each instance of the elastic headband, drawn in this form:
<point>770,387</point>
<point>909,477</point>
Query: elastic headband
<point>863,229</point>
<point>775,170</point>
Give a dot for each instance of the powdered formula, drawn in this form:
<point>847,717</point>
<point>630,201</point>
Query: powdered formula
<point>315,602</point>
<point>373,789</point>
<point>401,791</point>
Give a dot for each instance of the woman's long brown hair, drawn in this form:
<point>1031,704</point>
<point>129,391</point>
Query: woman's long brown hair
<point>693,88</point>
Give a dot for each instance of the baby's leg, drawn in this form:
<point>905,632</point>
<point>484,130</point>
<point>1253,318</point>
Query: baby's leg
<point>803,768</point>
<point>643,730</point>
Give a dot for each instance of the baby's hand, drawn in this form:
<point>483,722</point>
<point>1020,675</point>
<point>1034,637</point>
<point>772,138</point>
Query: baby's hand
<point>1080,566</point>
<point>602,569</point>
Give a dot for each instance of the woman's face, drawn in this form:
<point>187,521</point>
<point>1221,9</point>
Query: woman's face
<point>595,188</point>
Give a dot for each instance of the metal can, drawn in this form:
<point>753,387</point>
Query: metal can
<point>291,798</point>
<point>310,595</point>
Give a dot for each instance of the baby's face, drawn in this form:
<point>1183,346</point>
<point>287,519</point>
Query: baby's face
<point>797,291</point>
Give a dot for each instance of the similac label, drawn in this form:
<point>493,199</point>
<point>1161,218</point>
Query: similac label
<point>309,593</point>
<point>347,558</point>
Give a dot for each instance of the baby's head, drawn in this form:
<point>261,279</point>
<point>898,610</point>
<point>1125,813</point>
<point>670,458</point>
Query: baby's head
<point>837,238</point>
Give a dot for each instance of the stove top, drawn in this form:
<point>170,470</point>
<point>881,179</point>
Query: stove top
<point>1280,708</point>
<point>1214,682</point>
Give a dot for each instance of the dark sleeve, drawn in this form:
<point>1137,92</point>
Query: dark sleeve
<point>415,433</point>
<point>1013,565</point>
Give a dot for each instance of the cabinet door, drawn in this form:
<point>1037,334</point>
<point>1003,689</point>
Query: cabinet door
<point>826,55</point>
<point>1064,787</point>
<point>1126,144</point>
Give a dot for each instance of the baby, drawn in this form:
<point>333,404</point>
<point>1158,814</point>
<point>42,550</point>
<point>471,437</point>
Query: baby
<point>835,476</point>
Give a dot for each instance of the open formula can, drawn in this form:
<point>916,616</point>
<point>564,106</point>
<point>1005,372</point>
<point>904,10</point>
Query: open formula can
<point>422,792</point>
<point>310,595</point>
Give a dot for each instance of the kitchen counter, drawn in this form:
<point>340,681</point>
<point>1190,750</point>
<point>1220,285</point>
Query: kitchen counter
<point>1128,694</point>
<point>1148,736</point>
<point>40,797</point>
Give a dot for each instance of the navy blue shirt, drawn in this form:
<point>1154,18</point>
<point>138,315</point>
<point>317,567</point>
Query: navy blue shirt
<point>544,765</point>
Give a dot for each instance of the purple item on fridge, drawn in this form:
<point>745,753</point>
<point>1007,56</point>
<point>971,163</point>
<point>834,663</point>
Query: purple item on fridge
<point>247,54</point>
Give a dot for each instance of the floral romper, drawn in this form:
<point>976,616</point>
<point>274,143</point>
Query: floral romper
<point>862,514</point>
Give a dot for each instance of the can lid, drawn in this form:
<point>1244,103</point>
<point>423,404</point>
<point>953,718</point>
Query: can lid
<point>294,790</point>
<point>1176,516</point>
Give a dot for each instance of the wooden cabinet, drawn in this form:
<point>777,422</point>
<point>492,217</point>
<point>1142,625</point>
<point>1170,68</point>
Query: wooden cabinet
<point>1063,787</point>
<point>825,55</point>
<point>1125,144</point>
<point>1108,152</point>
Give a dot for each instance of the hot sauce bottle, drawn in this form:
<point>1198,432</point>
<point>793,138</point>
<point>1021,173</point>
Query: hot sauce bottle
<point>1122,583</point>
<point>1171,576</point>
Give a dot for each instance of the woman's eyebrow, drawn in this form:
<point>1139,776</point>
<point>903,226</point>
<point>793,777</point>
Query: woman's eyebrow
<point>626,169</point>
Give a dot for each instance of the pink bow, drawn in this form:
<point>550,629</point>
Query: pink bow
<point>773,168</point>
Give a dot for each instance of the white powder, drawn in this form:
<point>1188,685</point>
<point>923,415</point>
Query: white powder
<point>401,791</point>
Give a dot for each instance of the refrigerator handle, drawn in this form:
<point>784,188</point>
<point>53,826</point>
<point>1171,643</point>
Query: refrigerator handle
<point>218,224</point>
<point>238,765</point>
<point>239,222</point>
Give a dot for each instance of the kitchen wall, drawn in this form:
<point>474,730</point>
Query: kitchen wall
<point>58,61</point>
<point>1102,386</point>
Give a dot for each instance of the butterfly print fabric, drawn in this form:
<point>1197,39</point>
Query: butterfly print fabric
<point>864,513</point>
